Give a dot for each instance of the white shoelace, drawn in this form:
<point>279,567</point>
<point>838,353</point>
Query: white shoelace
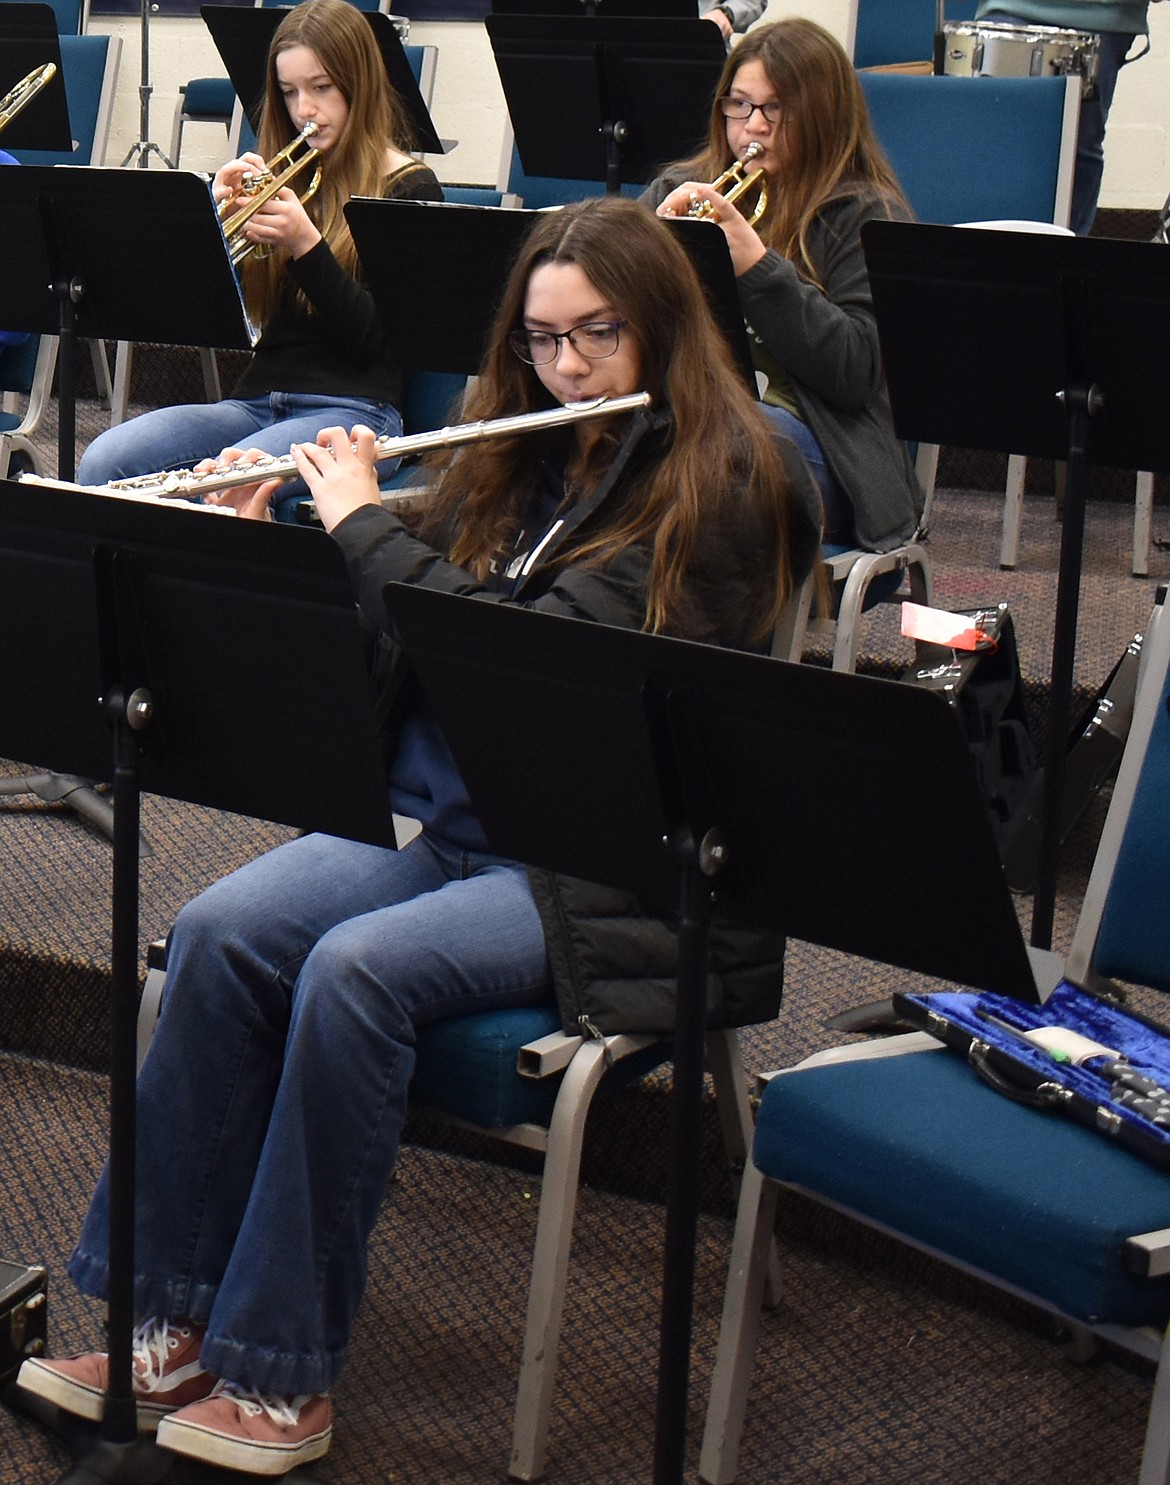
<point>285,1412</point>
<point>153,1342</point>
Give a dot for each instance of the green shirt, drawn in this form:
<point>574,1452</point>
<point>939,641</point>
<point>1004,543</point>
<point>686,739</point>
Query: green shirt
<point>1076,15</point>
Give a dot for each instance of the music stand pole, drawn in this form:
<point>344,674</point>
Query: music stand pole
<point>144,146</point>
<point>1081,403</point>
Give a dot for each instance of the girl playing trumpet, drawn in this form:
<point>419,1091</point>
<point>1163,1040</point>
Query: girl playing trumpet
<point>321,358</point>
<point>272,1099</point>
<point>790,89</point>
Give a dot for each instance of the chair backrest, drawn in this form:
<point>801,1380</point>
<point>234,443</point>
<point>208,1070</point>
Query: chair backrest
<point>540,191</point>
<point>17,364</point>
<point>978,149</point>
<point>882,33</point>
<point>424,63</point>
<point>1123,931</point>
<point>72,16</point>
<point>90,66</point>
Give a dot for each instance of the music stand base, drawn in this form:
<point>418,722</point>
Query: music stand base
<point>78,793</point>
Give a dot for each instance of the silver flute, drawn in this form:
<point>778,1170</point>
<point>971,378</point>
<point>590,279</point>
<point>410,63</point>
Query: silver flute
<point>183,483</point>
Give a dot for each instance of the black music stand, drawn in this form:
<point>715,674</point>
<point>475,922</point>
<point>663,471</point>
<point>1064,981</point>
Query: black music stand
<point>406,247</point>
<point>28,39</point>
<point>1064,360</point>
<point>698,771</point>
<point>114,255</point>
<point>139,604</point>
<point>623,93</point>
<point>243,35</point>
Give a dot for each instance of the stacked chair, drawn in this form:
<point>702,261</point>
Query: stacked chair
<point>906,1136</point>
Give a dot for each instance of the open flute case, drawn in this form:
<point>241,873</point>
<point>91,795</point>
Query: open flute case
<point>1084,1052</point>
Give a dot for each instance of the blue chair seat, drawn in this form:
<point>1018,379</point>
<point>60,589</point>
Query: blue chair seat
<point>1034,1199</point>
<point>465,1067</point>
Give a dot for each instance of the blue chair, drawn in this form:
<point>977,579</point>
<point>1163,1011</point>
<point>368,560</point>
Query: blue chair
<point>893,33</point>
<point>904,1135</point>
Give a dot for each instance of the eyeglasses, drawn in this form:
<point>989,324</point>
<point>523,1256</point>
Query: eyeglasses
<point>594,341</point>
<point>743,108</point>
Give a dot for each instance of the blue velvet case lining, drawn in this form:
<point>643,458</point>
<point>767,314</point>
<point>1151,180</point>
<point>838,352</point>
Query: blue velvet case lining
<point>953,1018</point>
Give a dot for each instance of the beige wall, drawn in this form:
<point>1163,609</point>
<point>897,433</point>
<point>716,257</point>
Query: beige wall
<point>469,105</point>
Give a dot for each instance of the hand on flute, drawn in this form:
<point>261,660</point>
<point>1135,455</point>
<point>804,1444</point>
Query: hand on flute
<point>339,471</point>
<point>249,501</point>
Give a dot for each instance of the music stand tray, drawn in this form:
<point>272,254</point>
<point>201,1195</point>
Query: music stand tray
<point>406,247</point>
<point>242,36</point>
<point>1064,358</point>
<point>626,93</point>
<point>697,770</point>
<point>28,39</point>
<point>114,255</point>
<point>206,659</point>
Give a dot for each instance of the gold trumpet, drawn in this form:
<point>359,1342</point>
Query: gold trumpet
<point>735,183</point>
<point>261,185</point>
<point>24,92</point>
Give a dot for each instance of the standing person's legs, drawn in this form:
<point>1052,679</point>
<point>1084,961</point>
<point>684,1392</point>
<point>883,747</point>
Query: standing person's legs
<point>1113,47</point>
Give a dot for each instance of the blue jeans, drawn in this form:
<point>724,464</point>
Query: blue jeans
<point>1112,49</point>
<point>272,1099</point>
<point>838,526</point>
<point>178,437</point>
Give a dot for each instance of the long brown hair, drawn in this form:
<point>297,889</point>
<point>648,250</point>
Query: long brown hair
<point>343,41</point>
<point>718,466</point>
<point>832,150</point>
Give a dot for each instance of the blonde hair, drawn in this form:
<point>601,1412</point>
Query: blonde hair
<point>718,468</point>
<point>830,144</point>
<point>343,41</point>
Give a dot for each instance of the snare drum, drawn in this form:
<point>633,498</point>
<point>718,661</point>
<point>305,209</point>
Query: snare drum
<point>986,49</point>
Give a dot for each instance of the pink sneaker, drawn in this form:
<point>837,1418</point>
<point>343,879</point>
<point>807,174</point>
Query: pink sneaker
<point>251,1431</point>
<point>167,1374</point>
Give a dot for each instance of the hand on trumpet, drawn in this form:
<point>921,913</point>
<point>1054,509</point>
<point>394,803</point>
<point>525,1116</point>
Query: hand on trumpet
<point>281,221</point>
<point>743,242</point>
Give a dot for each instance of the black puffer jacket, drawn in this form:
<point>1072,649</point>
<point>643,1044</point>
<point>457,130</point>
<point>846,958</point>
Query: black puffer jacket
<point>612,963</point>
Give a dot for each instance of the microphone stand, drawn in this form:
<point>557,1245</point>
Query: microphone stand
<point>144,146</point>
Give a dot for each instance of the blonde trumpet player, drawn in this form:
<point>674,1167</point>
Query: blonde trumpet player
<point>789,92</point>
<point>321,358</point>
<point>272,1098</point>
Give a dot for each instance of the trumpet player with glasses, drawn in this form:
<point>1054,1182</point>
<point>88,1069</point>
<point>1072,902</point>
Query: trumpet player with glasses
<point>272,1099</point>
<point>790,118</point>
<point>321,358</point>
